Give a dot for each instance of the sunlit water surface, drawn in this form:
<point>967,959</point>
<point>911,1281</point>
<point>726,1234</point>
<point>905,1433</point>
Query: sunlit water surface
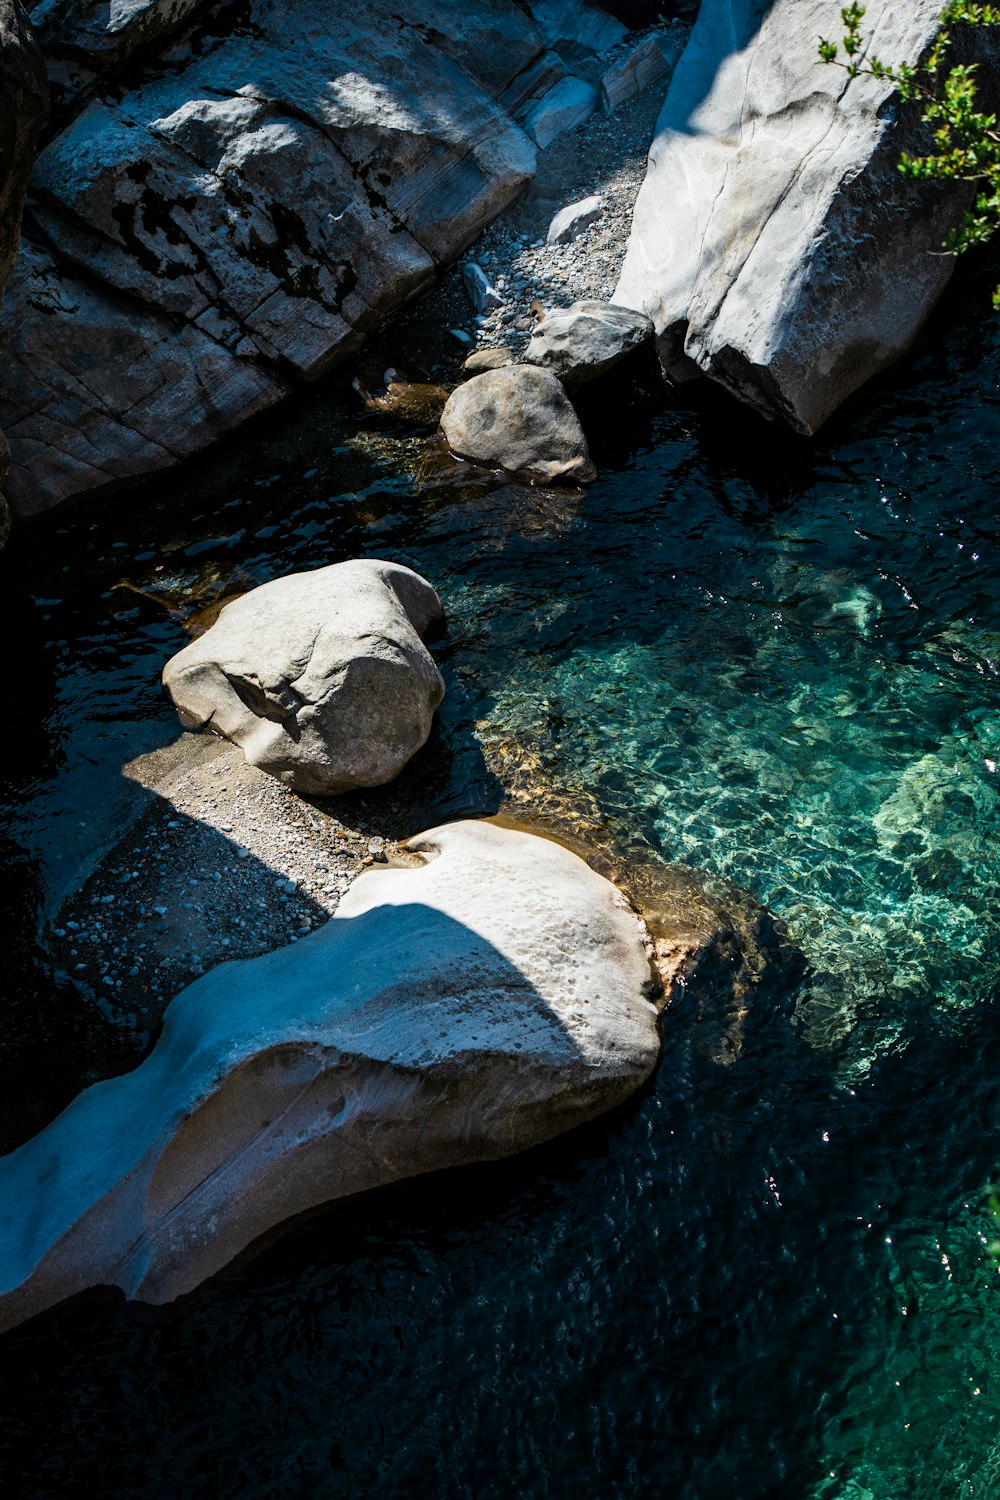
<point>771,660</point>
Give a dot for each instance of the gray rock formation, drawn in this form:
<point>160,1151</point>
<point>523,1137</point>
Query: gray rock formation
<point>85,42</point>
<point>238,216</point>
<point>321,678</point>
<point>573,220</point>
<point>579,343</point>
<point>24,98</point>
<point>490,997</point>
<point>479,289</point>
<point>775,244</point>
<point>645,63</point>
<point>518,418</point>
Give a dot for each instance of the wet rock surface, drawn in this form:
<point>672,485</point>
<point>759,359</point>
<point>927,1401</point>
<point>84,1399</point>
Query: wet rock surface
<point>321,678</point>
<point>776,245</point>
<point>486,997</point>
<point>520,419</point>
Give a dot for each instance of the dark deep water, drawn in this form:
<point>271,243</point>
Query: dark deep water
<point>774,660</point>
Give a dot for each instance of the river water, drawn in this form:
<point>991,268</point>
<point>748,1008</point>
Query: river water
<point>776,661</point>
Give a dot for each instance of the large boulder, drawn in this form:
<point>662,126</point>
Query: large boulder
<point>579,343</point>
<point>518,418</point>
<point>321,678</point>
<point>238,215</point>
<point>775,244</point>
<point>490,997</point>
<point>86,42</point>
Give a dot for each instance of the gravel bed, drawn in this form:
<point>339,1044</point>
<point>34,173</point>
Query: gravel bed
<point>606,156</point>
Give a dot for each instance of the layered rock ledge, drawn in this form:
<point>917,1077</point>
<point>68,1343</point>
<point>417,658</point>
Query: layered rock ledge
<point>239,212</point>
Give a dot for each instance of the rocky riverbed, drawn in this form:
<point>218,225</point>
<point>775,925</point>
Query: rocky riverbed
<point>603,157</point>
<point>224,861</point>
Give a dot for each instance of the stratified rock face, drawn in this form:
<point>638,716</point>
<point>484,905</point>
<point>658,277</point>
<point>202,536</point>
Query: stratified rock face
<point>244,219</point>
<point>84,40</point>
<point>24,98</point>
<point>321,678</point>
<point>579,343</point>
<point>451,1013</point>
<point>518,418</point>
<point>775,244</point>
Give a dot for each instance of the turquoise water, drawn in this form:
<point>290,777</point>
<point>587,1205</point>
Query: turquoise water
<point>775,661</point>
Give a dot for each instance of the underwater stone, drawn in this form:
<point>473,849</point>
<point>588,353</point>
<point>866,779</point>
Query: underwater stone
<point>490,997</point>
<point>321,678</point>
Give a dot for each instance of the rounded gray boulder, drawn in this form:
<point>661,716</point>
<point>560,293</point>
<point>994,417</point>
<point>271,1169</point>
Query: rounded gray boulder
<point>321,678</point>
<point>518,418</point>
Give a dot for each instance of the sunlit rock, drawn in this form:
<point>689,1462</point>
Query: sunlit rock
<point>518,418</point>
<point>321,678</point>
<point>579,343</point>
<point>775,244</point>
<point>488,998</point>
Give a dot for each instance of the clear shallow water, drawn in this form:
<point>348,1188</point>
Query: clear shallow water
<point>772,660</point>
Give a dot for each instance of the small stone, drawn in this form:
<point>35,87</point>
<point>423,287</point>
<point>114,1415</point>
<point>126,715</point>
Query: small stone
<point>462,337</point>
<point>480,291</point>
<point>573,220</point>
<point>487,359</point>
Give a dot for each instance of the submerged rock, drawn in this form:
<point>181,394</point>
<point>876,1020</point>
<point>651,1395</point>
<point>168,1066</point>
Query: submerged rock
<point>518,418</point>
<point>775,244</point>
<point>490,997</point>
<point>579,343</point>
<point>321,678</point>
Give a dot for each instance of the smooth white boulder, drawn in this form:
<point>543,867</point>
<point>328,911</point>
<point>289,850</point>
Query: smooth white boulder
<point>321,678</point>
<point>774,243</point>
<point>487,999</point>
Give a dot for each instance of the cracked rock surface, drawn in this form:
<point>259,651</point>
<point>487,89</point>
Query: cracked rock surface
<point>581,342</point>
<point>321,678</point>
<point>218,220</point>
<point>488,995</point>
<point>775,244</point>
